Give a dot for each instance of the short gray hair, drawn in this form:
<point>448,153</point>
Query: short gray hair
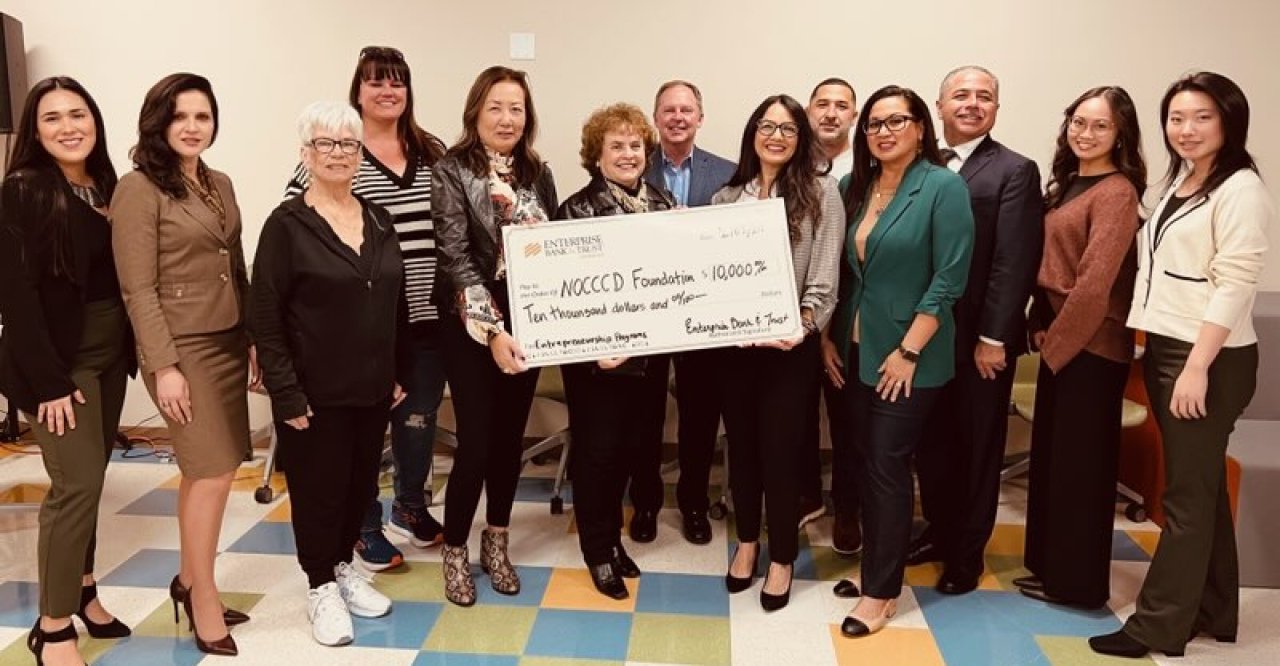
<point>995,82</point>
<point>333,116</point>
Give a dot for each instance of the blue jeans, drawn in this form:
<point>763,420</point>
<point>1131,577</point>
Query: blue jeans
<point>413,432</point>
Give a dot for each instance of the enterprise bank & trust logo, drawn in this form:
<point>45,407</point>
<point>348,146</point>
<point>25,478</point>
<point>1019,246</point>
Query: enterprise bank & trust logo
<point>585,245</point>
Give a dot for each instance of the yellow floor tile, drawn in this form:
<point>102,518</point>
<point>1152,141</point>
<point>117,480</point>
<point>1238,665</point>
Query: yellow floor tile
<point>24,493</point>
<point>1006,540</point>
<point>1145,540</point>
<point>890,645</point>
<point>571,589</point>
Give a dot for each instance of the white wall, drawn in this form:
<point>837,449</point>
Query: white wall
<point>268,58</point>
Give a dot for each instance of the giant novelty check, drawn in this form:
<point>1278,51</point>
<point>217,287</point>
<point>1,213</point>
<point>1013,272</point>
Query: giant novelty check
<point>651,283</point>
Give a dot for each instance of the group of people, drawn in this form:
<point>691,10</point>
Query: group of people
<point>381,276</point>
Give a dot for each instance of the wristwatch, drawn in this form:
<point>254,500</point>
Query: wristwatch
<point>909,355</point>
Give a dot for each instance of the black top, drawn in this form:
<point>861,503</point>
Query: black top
<point>1175,202</point>
<point>331,326</point>
<point>43,309</point>
<point>1080,184</point>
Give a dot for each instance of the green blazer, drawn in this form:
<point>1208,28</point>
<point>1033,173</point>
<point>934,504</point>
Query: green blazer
<point>917,261</point>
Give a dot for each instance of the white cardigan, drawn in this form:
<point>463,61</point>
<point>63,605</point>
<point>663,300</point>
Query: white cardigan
<point>1204,263</point>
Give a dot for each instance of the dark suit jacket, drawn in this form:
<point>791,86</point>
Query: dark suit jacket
<point>707,173</point>
<point>917,259</point>
<point>1008,219</point>
<point>43,311</point>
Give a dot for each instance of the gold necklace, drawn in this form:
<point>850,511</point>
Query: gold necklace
<point>881,205</point>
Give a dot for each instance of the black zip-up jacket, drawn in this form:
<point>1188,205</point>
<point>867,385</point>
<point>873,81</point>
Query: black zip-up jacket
<point>43,312</point>
<point>331,327</point>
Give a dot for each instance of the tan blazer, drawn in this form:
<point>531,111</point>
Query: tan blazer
<point>182,272</point>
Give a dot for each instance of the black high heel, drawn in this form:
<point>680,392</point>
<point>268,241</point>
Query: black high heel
<point>735,584</point>
<point>773,602</point>
<point>38,637</point>
<point>224,647</point>
<point>178,593</point>
<point>113,629</point>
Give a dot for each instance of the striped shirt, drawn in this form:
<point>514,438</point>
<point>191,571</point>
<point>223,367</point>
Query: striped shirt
<point>408,199</point>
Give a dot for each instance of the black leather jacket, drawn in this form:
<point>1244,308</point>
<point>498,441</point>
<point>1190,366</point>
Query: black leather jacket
<point>467,239</point>
<point>594,200</point>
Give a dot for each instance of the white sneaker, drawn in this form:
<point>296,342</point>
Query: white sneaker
<point>330,620</point>
<point>362,600</point>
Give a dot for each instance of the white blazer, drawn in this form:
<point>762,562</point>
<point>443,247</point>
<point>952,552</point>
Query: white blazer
<point>1202,264</point>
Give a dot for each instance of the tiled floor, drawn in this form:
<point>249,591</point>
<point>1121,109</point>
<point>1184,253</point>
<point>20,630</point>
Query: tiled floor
<point>679,612</point>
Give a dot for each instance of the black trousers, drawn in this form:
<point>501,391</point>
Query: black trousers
<point>763,414</point>
<point>887,435</point>
<point>960,459</point>
<point>616,420</point>
<point>699,402</point>
<point>811,438</point>
<point>491,409</point>
<point>1193,582</point>
<point>846,461</point>
<point>331,468</point>
<point>1075,456</point>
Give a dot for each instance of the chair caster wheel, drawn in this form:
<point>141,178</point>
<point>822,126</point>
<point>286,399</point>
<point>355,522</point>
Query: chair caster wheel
<point>1135,512</point>
<point>718,511</point>
<point>262,494</point>
<point>557,506</point>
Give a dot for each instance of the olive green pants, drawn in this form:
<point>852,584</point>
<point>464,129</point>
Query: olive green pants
<point>77,461</point>
<point>1193,583</point>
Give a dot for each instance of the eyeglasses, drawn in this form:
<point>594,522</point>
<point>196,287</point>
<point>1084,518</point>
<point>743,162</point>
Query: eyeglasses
<point>385,52</point>
<point>1078,125</point>
<point>326,146</point>
<point>767,128</point>
<point>895,123</point>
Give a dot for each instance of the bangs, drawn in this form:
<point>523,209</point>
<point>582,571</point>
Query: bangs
<point>377,67</point>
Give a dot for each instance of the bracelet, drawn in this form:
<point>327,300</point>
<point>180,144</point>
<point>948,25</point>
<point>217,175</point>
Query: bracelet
<point>909,355</point>
<point>491,334</point>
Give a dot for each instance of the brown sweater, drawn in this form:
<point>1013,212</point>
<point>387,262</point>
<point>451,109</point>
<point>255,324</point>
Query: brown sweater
<point>1087,273</point>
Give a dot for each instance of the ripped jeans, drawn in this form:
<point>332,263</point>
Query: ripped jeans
<point>413,432</point>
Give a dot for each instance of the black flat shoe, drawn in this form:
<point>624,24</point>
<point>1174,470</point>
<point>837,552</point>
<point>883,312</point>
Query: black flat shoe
<point>956,580</point>
<point>923,550</point>
<point>607,581</point>
<point>735,584</point>
<point>178,592</point>
<point>1120,644</point>
<point>644,526</point>
<point>697,529</point>
<point>773,602</point>
<point>1041,595</point>
<point>847,589</point>
<point>113,629</point>
<point>623,564</point>
<point>1029,583</point>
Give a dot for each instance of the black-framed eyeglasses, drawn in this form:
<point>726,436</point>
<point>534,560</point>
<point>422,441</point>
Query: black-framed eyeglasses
<point>895,123</point>
<point>768,128</point>
<point>325,145</point>
<point>385,52</point>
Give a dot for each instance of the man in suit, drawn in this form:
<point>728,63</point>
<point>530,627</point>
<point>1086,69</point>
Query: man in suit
<point>959,462</point>
<point>692,175</point>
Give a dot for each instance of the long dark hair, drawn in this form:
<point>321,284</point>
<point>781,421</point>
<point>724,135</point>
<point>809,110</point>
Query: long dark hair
<point>152,155</point>
<point>380,62</point>
<point>1233,111</point>
<point>798,180</point>
<point>866,168</point>
<point>1126,154</point>
<point>526,164</point>
<point>40,180</point>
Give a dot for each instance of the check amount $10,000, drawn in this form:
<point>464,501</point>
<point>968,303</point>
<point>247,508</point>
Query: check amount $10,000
<point>651,283</point>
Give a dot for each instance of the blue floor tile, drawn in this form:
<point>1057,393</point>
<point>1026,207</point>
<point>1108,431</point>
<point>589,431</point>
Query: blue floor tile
<point>19,604</point>
<point>268,538</point>
<point>137,650</point>
<point>533,584</point>
<point>149,567</point>
<point>580,634</point>
<point>461,659</point>
<point>541,490</point>
<point>682,594</point>
<point>1125,549</point>
<point>987,627</point>
<point>406,626</point>
<point>158,502</point>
